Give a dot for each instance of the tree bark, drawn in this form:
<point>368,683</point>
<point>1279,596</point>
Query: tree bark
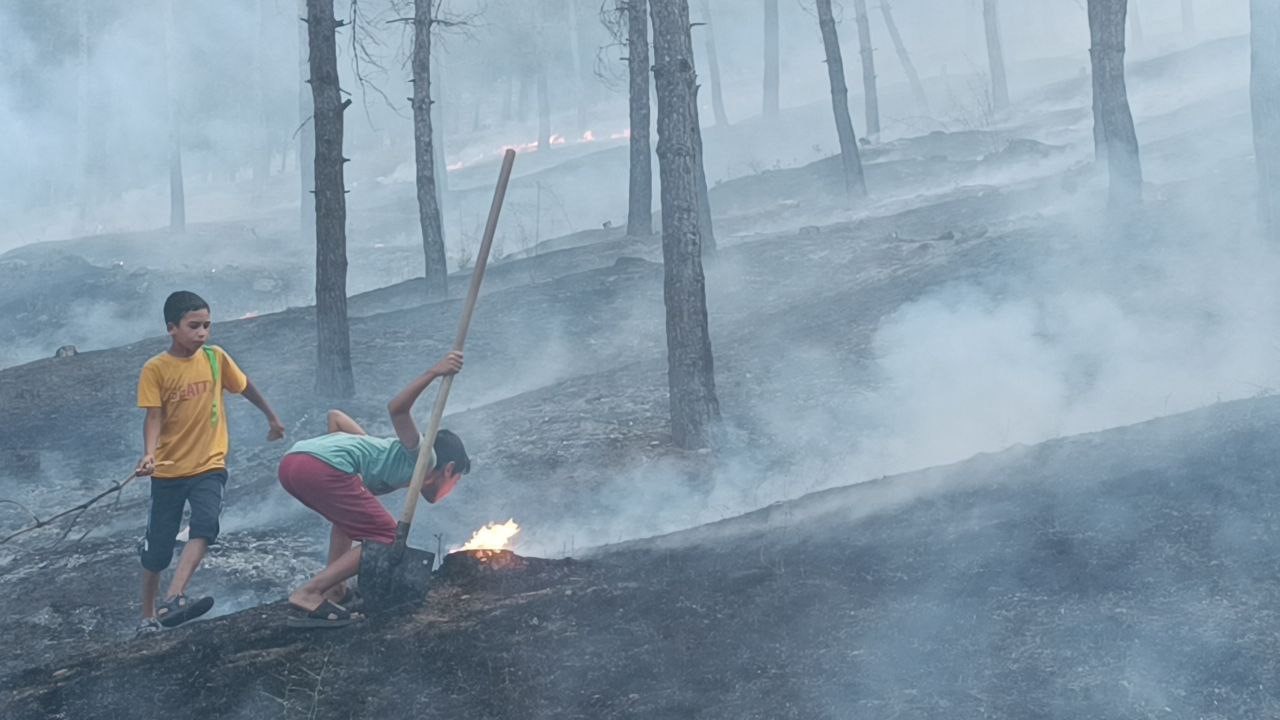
<point>575,50</point>
<point>1136,36</point>
<point>713,67</point>
<point>1188,20</point>
<point>436,270</point>
<point>544,99</point>
<point>1111,101</point>
<point>333,340</point>
<point>869,93</point>
<point>995,55</point>
<point>437,127</point>
<point>690,369</point>
<point>850,160</point>
<point>772,64</point>
<point>640,184</point>
<point>908,67</point>
<point>306,133</point>
<point>1265,101</point>
<point>83,185</point>
<point>177,192</point>
<point>262,153</point>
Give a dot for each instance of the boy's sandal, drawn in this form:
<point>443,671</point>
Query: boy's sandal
<point>328,615</point>
<point>177,610</point>
<point>148,626</point>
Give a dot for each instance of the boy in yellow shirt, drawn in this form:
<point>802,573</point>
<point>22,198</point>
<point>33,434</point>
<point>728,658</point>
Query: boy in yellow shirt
<point>186,441</point>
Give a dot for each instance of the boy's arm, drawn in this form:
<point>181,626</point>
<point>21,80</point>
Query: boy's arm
<point>251,394</point>
<point>150,438</point>
<point>401,406</point>
<point>342,422</point>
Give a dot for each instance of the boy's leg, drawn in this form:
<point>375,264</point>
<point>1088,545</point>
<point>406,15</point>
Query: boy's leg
<point>205,498</point>
<point>312,595</point>
<point>150,586</point>
<point>339,545</point>
<point>156,551</point>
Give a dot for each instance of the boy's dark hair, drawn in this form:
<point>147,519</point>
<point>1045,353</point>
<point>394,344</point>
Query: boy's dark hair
<point>180,303</point>
<point>449,449</point>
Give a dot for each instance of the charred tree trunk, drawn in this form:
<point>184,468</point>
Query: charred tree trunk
<point>868,69</point>
<point>713,67</point>
<point>575,50</point>
<point>262,153</point>
<point>306,137</point>
<point>177,192</point>
<point>851,162</point>
<point>522,97</point>
<point>509,85</point>
<point>1188,20</point>
<point>437,127</point>
<point>995,55</point>
<point>1265,100</point>
<point>83,182</point>
<point>1111,101</point>
<point>333,339</point>
<point>544,98</point>
<point>690,370</point>
<point>544,110</point>
<point>908,67</point>
<point>436,268</point>
<point>1136,36</point>
<point>772,69</point>
<point>640,185</point>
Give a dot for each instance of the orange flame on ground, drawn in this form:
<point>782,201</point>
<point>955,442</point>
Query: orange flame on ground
<point>494,536</point>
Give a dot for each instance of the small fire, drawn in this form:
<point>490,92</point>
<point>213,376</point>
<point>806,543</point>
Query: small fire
<point>494,536</point>
<point>588,136</point>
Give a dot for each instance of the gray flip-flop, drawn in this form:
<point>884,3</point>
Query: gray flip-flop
<point>328,615</point>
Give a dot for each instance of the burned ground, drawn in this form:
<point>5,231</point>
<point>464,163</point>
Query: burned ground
<point>1072,579</point>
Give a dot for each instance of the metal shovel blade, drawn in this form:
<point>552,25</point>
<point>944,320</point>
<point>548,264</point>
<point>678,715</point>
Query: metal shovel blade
<point>394,575</point>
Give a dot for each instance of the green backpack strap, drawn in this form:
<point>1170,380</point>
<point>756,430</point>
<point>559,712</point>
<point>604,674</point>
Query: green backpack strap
<point>217,386</point>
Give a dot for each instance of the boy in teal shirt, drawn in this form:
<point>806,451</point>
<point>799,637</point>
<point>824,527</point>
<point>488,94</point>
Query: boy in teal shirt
<point>339,474</point>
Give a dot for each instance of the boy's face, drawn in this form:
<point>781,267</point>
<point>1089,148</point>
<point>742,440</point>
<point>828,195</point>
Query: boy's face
<point>193,331</point>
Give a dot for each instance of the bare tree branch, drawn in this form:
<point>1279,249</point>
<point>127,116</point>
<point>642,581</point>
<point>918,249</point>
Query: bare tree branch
<point>75,513</point>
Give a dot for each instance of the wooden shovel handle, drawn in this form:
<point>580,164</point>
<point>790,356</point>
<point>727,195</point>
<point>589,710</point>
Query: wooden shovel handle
<point>422,467</point>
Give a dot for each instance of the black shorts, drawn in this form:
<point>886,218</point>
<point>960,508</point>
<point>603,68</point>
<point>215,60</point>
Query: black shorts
<point>168,497</point>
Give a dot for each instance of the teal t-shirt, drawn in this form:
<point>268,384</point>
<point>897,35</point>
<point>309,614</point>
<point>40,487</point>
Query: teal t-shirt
<point>383,463</point>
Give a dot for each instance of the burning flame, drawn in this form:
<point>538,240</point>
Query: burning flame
<point>494,536</point>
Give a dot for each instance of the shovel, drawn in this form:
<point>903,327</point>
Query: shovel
<point>396,574</point>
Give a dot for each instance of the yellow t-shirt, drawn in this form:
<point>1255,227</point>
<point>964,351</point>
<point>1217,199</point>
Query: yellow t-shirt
<point>183,389</point>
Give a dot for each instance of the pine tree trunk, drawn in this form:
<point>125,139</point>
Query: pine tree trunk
<point>522,97</point>
<point>262,154</point>
<point>437,127</point>
<point>713,67</point>
<point>306,137</point>
<point>908,67</point>
<point>506,98</point>
<point>1265,100</point>
<point>868,69</point>
<point>1111,101</point>
<point>1136,36</point>
<point>84,192</point>
<point>995,55</point>
<point>436,269</point>
<point>575,50</point>
<point>851,162</point>
<point>333,339</point>
<point>690,370</point>
<point>640,184</point>
<point>544,110</point>
<point>772,65</point>
<point>177,192</point>
<point>1188,20</point>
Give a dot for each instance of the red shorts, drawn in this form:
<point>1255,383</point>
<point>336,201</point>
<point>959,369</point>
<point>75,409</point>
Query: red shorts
<point>341,498</point>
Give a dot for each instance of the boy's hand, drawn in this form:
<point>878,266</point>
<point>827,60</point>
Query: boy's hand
<point>450,365</point>
<point>146,466</point>
<point>276,431</point>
